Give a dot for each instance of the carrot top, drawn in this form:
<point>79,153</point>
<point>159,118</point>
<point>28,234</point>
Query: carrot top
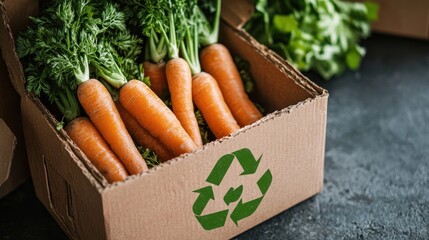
<point>73,41</point>
<point>160,21</point>
<point>190,44</point>
<point>199,29</point>
<point>208,28</point>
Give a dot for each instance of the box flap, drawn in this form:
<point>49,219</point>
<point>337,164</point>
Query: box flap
<point>7,147</point>
<point>237,12</point>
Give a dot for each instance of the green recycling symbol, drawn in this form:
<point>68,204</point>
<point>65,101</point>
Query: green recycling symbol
<point>243,209</point>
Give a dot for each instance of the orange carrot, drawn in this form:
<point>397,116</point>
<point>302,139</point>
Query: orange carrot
<point>99,106</point>
<point>89,140</point>
<point>208,98</point>
<point>179,79</point>
<point>156,74</point>
<point>216,60</point>
<point>142,136</point>
<point>153,115</point>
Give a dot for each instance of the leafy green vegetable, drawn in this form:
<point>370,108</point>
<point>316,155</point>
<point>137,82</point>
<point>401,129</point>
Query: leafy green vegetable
<point>320,35</point>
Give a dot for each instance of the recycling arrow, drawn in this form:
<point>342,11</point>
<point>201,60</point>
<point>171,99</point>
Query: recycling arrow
<point>203,199</point>
<point>247,161</point>
<point>243,210</point>
<point>244,157</point>
<point>213,220</point>
<point>264,182</point>
<point>233,195</point>
<point>219,171</point>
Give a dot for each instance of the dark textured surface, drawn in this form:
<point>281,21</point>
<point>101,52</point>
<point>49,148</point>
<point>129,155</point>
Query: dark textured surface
<point>377,153</point>
<point>376,167</point>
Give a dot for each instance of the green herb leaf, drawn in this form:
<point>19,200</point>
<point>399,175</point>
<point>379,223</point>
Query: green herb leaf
<point>354,57</point>
<point>285,23</point>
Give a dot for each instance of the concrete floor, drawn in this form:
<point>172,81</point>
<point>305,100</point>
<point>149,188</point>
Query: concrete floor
<point>377,153</point>
<point>376,167</point>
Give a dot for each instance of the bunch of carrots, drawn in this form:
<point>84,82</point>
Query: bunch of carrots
<point>81,55</point>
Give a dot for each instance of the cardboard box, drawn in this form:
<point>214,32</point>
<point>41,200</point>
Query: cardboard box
<point>404,18</point>
<point>13,157</point>
<point>216,192</point>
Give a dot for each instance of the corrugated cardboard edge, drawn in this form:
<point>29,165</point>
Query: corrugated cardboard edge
<point>8,143</point>
<point>9,53</point>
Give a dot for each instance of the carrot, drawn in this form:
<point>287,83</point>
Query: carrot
<point>89,140</point>
<point>216,60</point>
<point>153,115</point>
<point>208,98</point>
<point>99,106</point>
<point>142,136</point>
<point>156,74</point>
<point>179,79</point>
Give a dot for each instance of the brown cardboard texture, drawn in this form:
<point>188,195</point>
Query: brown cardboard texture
<point>404,18</point>
<point>237,12</point>
<point>216,192</point>
<point>13,164</point>
<point>7,148</point>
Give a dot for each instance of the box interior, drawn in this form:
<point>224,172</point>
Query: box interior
<point>273,90</point>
